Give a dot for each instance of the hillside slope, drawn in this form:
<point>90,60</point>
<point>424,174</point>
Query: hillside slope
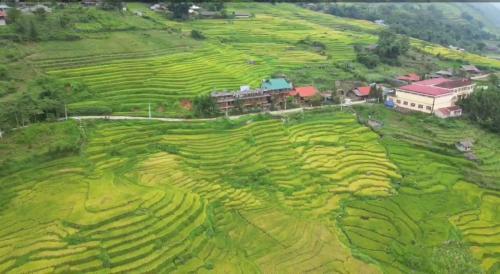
<point>314,193</point>
<point>130,61</point>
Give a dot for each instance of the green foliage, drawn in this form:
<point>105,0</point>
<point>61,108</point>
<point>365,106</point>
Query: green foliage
<point>198,35</point>
<point>390,46</point>
<point>366,57</point>
<point>105,258</point>
<point>76,239</point>
<point>453,257</point>
<point>180,10</point>
<point>483,107</point>
<point>205,106</point>
<point>423,21</point>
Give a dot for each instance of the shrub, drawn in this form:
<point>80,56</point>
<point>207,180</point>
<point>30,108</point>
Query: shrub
<point>198,35</point>
<point>92,110</point>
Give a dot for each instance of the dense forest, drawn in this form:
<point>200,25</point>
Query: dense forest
<point>426,22</point>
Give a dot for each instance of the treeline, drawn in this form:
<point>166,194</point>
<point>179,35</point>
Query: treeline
<point>45,99</point>
<point>483,106</point>
<point>422,21</point>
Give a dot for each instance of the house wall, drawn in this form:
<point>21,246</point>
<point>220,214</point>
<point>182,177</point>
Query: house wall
<point>444,101</point>
<point>413,101</point>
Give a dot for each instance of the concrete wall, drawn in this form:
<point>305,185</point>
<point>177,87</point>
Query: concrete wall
<point>413,101</point>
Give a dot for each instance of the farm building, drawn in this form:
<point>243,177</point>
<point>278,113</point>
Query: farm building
<point>409,78</point>
<point>304,94</point>
<point>437,96</point>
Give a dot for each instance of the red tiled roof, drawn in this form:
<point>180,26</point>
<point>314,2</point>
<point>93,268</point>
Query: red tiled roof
<point>308,91</point>
<point>425,90</point>
<point>363,91</point>
<point>455,83</point>
<point>432,82</point>
<point>412,77</point>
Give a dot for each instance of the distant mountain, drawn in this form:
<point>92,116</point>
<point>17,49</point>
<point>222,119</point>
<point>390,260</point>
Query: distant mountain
<point>461,24</point>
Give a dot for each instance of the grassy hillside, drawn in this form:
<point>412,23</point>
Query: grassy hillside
<point>312,193</point>
<point>131,61</point>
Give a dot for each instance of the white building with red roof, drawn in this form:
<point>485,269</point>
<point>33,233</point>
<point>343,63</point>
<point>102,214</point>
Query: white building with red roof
<point>437,96</point>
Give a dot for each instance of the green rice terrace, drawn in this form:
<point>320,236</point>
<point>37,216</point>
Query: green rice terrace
<point>317,192</point>
<point>131,61</point>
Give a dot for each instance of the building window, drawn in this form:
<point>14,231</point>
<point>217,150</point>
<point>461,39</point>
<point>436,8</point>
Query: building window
<point>398,101</point>
<point>420,106</point>
<point>428,108</point>
<point>412,104</point>
<point>405,103</point>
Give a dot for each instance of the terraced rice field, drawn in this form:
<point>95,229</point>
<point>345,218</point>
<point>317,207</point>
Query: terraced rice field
<point>235,53</point>
<point>313,193</point>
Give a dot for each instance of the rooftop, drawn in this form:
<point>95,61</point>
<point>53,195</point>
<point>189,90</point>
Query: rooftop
<point>425,89</point>
<point>412,77</point>
<point>432,82</point>
<point>455,83</point>
<point>362,91</point>
<point>276,84</point>
<point>307,91</point>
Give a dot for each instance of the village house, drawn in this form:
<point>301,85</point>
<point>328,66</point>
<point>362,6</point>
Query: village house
<point>437,96</point>
<point>409,78</point>
<point>304,94</point>
<point>278,89</point>
<point>245,98</point>
<point>362,92</point>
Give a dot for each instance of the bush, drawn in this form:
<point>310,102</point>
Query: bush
<point>198,35</point>
<point>91,110</point>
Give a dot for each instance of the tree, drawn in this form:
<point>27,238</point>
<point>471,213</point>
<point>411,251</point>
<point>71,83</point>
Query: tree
<point>493,80</point>
<point>180,10</point>
<point>33,32</point>
<point>391,46</point>
<point>483,107</point>
<point>13,15</point>
<point>205,106</point>
<point>198,35</point>
<point>111,4</point>
<point>40,14</point>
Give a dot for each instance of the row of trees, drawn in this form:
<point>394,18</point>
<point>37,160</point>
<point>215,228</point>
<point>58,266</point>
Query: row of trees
<point>44,99</point>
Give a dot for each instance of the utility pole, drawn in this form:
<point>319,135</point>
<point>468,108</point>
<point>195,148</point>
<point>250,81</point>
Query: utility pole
<point>149,110</point>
